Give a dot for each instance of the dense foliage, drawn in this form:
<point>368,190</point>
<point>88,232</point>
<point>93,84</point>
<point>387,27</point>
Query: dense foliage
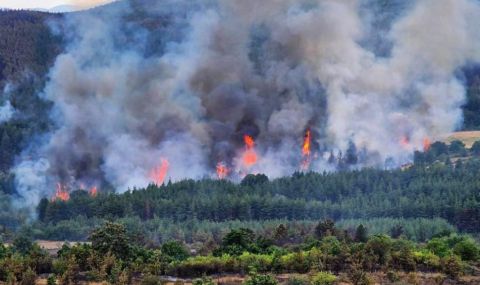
<point>114,255</point>
<point>448,191</point>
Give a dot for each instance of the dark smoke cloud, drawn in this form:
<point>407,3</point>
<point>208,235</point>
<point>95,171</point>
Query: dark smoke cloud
<point>185,81</point>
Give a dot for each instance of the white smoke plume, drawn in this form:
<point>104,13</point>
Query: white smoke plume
<point>187,80</point>
<point>6,112</point>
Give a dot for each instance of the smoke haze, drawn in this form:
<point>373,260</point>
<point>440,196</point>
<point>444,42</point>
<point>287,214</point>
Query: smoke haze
<point>189,83</point>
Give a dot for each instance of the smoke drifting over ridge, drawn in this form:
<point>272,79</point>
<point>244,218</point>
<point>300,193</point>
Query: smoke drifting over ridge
<point>190,81</point>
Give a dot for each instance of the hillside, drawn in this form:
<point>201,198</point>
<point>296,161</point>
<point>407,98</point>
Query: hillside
<point>437,191</point>
<point>27,44</point>
<point>241,142</point>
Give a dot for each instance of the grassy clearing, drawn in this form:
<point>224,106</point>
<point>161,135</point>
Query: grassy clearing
<point>467,137</point>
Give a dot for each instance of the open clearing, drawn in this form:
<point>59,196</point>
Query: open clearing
<point>467,137</point>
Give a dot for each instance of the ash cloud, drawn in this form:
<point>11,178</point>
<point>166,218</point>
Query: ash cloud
<point>186,80</point>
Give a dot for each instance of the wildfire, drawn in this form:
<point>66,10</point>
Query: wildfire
<point>222,170</point>
<point>426,144</point>
<point>93,191</point>
<point>306,150</point>
<point>306,143</point>
<point>61,193</point>
<point>404,142</point>
<point>159,173</point>
<point>249,157</point>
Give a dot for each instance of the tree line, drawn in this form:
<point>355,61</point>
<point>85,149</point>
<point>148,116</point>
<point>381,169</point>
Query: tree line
<point>448,191</point>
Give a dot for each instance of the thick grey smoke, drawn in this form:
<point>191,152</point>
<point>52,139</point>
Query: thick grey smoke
<point>185,81</point>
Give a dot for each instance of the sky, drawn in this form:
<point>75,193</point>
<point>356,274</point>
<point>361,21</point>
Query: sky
<point>47,4</point>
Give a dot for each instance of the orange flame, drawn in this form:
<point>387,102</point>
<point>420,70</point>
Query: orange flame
<point>426,144</point>
<point>222,170</point>
<point>306,150</point>
<point>404,142</point>
<point>249,142</point>
<point>158,173</point>
<point>61,193</point>
<point>93,191</point>
<point>306,143</point>
<point>249,157</point>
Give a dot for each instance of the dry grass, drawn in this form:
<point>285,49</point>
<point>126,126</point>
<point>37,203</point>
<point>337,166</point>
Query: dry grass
<point>378,278</point>
<point>468,137</point>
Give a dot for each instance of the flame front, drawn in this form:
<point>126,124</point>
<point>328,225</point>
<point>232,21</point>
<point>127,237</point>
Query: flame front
<point>426,144</point>
<point>93,191</point>
<point>249,157</point>
<point>222,170</point>
<point>306,151</point>
<point>61,193</point>
<point>158,173</point>
<point>405,142</point>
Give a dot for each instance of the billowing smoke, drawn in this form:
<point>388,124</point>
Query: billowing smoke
<point>187,81</point>
<point>6,112</point>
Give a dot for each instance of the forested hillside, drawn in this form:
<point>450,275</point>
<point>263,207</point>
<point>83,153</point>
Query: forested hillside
<point>448,191</point>
<point>29,46</point>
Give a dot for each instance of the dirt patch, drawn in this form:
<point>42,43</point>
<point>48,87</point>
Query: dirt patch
<point>468,137</point>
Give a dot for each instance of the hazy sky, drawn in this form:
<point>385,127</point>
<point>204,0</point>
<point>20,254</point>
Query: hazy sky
<point>46,4</point>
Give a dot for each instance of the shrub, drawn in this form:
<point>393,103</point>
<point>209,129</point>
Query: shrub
<point>412,278</point>
<point>258,262</point>
<point>203,281</point>
<point>298,280</point>
<point>467,250</point>
<point>360,277</point>
<point>426,260</point>
<point>295,262</point>
<point>28,277</point>
<point>392,276</point>
<point>23,243</point>
<point>151,280</point>
<point>204,265</point>
<point>323,278</point>
<point>174,251</point>
<point>452,266</point>
<point>439,247</point>
<point>51,280</point>
<point>258,279</point>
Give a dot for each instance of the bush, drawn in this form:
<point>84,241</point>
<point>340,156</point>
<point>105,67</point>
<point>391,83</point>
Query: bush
<point>258,262</point>
<point>412,278</point>
<point>427,260</point>
<point>452,266</point>
<point>203,281</point>
<point>51,280</point>
<point>392,276</point>
<point>439,247</point>
<point>360,277</point>
<point>23,244</point>
<point>323,278</point>
<point>151,280</point>
<point>298,280</point>
<point>28,277</point>
<point>174,251</point>
<point>204,265</point>
<point>295,262</point>
<point>467,250</point>
<point>258,279</point>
